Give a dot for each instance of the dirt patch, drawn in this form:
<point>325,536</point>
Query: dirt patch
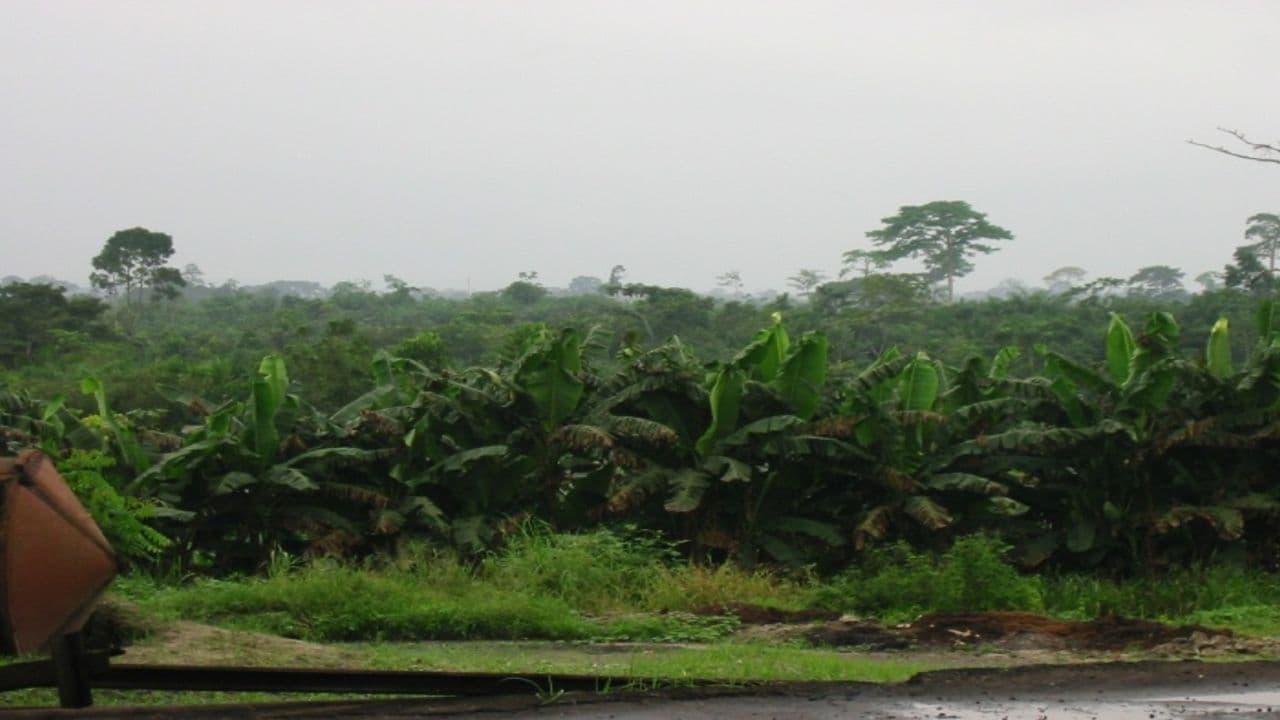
<point>863,634</point>
<point>1022,631</point>
<point>749,614</point>
<point>1106,633</point>
<point>187,643</point>
<point>117,623</point>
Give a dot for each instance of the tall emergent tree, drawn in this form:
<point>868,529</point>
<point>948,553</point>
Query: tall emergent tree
<point>526,290</point>
<point>1264,229</point>
<point>134,260</point>
<point>1247,273</point>
<point>864,262</point>
<point>1064,278</point>
<point>731,281</point>
<point>944,233</point>
<point>1210,281</point>
<point>806,280</point>
<point>1157,281</point>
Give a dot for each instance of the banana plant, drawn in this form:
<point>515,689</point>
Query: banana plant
<point>248,482</point>
<point>909,414</point>
<point>1136,454</point>
<point>26,422</point>
<point>528,438</point>
<point>755,473</point>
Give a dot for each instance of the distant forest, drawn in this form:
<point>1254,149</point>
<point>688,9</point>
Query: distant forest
<point>151,332</point>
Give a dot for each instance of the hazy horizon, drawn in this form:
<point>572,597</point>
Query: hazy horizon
<point>459,143</point>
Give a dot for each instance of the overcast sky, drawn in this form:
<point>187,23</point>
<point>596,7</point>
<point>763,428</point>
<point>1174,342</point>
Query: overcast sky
<point>456,142</point>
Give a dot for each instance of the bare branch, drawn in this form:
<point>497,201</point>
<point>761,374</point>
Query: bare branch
<point>1262,148</point>
<point>1258,147</point>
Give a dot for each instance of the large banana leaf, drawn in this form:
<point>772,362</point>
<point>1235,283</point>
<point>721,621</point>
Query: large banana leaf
<point>1217,354</point>
<point>687,488</point>
<point>763,358</point>
<point>1003,360</point>
<point>1120,349</point>
<point>803,374</point>
<point>463,459</point>
<point>269,391</point>
<point>927,512</point>
<point>1159,342</point>
<point>919,384</point>
<point>550,375</point>
<point>728,469</point>
<point>772,425</point>
<point>1059,366</point>
<point>966,483</point>
<point>726,401</point>
<point>876,381</point>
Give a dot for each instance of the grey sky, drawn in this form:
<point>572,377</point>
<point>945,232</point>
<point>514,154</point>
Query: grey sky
<point>442,141</point>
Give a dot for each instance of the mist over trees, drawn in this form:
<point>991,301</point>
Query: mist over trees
<point>327,333</point>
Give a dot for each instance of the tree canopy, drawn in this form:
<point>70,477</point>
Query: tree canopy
<point>1157,281</point>
<point>806,281</point>
<point>134,260</point>
<point>944,234</point>
<point>1264,230</point>
<point>35,316</point>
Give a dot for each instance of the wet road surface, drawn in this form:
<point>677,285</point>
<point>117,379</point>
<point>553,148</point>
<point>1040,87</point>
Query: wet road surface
<point>1099,691</point>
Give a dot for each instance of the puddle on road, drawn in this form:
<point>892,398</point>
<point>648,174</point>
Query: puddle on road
<point>1259,697</point>
<point>1265,704</point>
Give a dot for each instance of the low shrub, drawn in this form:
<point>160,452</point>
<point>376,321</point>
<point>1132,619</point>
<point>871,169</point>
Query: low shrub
<point>595,572</point>
<point>322,602</point>
<point>896,582</point>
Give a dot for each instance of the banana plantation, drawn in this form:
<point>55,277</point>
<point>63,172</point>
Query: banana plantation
<point>1153,459</point>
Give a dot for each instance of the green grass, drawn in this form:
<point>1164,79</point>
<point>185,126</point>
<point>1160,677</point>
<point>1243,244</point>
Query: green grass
<point>727,661</point>
<point>596,586</point>
<point>427,598</point>
<point>605,586</point>
<point>897,583</point>
<point>1229,596</point>
<point>609,586</point>
<point>625,571</point>
<point>324,603</point>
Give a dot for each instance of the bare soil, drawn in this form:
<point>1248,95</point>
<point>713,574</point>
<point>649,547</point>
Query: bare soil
<point>750,614</point>
<point>1017,631</point>
<point>188,643</point>
<point>1107,633</point>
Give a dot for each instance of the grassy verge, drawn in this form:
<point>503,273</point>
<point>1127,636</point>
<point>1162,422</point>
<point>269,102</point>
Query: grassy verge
<point>612,587</point>
<point>727,661</point>
<point>606,586</point>
<point>601,586</point>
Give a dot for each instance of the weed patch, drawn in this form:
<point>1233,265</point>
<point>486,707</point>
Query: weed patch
<point>898,583</point>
